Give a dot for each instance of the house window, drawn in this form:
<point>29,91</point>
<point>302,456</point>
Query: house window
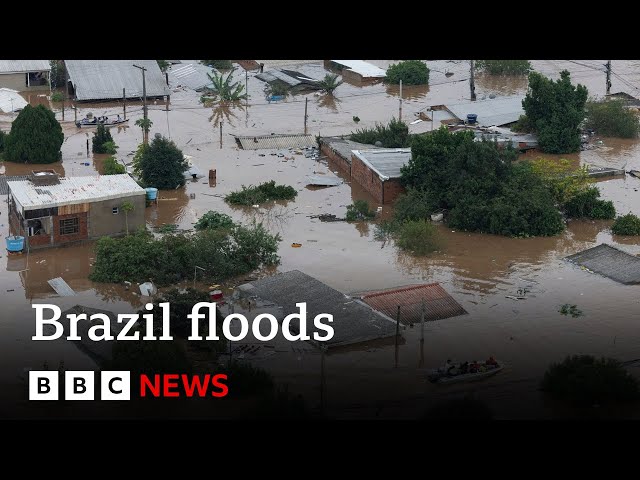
<point>115,210</point>
<point>69,226</point>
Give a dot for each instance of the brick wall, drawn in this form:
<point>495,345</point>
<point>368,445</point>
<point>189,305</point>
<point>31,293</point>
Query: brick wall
<point>336,160</point>
<point>81,235</point>
<point>366,177</point>
<point>392,188</point>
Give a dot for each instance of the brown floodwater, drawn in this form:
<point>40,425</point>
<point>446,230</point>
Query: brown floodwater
<point>478,270</point>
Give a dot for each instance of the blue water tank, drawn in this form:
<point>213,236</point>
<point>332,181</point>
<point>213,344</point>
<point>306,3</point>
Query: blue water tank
<point>15,243</point>
<point>472,118</point>
<point>152,193</point>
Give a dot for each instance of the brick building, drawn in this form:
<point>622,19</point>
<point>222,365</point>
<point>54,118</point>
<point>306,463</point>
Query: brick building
<point>49,210</point>
<point>378,171</point>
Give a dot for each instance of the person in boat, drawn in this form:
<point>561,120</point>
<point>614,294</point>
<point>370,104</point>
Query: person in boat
<point>492,361</point>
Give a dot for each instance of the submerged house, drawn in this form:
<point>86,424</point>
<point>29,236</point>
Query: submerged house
<point>378,171</point>
<point>49,210</point>
<point>25,75</point>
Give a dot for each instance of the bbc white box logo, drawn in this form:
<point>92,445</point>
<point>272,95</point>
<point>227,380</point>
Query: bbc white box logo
<point>79,385</point>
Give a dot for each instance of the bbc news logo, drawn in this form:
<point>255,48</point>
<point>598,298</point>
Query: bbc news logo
<point>116,385</point>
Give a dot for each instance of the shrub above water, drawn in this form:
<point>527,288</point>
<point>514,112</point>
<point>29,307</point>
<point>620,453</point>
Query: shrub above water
<point>262,193</point>
<point>411,72</point>
<point>628,224</point>
<point>587,204</point>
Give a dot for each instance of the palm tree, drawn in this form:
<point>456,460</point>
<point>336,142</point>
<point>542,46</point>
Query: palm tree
<point>127,207</point>
<point>224,88</point>
<point>329,83</point>
<point>145,124</point>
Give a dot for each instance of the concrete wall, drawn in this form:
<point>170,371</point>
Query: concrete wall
<point>385,192</point>
<point>102,222</point>
<point>18,81</point>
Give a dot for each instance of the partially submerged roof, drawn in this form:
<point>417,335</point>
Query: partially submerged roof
<point>323,180</point>
<point>364,69</point>
<point>353,321</point>
<point>11,100</point>
<point>105,79</point>
<point>491,112</point>
<point>257,142</point>
<point>291,78</point>
<point>61,287</point>
<point>437,302</point>
<point>610,262</point>
<point>386,162</point>
<point>191,75</point>
<point>344,147</point>
<point>24,66</point>
<point>73,190</point>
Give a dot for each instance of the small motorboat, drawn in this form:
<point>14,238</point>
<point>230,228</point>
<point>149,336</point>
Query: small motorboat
<point>441,376</point>
<point>95,121</point>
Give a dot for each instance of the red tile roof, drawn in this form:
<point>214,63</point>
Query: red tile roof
<point>438,303</point>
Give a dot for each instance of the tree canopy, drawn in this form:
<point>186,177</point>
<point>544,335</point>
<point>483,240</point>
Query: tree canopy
<point>555,109</point>
<point>161,164</point>
<point>612,119</point>
<point>504,67</point>
<point>411,72</point>
<point>35,137</point>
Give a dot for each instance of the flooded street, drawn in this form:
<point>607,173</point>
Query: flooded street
<point>478,270</point>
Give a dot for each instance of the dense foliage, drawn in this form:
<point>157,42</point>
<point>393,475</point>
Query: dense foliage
<point>419,237</point>
<point>224,88</point>
<point>504,67</point>
<point>213,220</point>
<point>583,379</point>
<point>173,257</point>
<point>3,137</point>
<point>35,137</point>
<point>477,186</point>
<point>57,74</point>
<point>113,167</point>
<point>611,118</point>
<point>329,83</point>
<point>393,135</point>
<point>411,72</point>
<point>359,210</point>
<point>163,64</point>
<point>555,109</point>
<point>219,64</point>
<point>102,141</point>
<point>261,193</point>
<point>161,164</point>
<point>628,224</point>
<point>562,178</point>
<point>587,204</point>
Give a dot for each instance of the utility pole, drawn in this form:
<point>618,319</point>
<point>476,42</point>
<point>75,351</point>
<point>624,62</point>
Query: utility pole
<point>400,111</point>
<point>144,103</point>
<point>472,82</point>
<point>221,133</point>
<point>306,100</point>
<point>608,65</point>
<point>124,103</point>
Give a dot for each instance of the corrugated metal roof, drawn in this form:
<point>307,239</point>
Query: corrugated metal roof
<point>191,75</point>
<point>610,262</point>
<point>23,66</point>
<point>11,99</point>
<point>323,180</point>
<point>353,321</point>
<point>386,162</point>
<point>105,79</point>
<point>273,75</point>
<point>61,287</point>
<point>365,69</point>
<point>4,187</point>
<point>491,112</point>
<point>344,147</point>
<point>248,142</point>
<point>73,190</point>
<point>438,303</point>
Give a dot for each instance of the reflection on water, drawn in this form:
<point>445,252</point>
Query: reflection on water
<point>329,102</point>
<point>409,92</point>
<point>500,84</point>
<point>226,112</point>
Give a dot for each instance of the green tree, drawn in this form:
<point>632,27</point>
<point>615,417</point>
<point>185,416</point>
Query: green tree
<point>112,167</point>
<point>127,208</point>
<point>411,72</point>
<point>611,118</point>
<point>224,88</point>
<point>36,137</point>
<point>3,137</point>
<point>214,220</point>
<point>504,67</point>
<point>219,64</point>
<point>628,224</point>
<point>162,164</point>
<point>393,135</point>
<point>563,179</point>
<point>163,64</point>
<point>57,74</point>
<point>587,204</point>
<point>358,211</point>
<point>555,109</point>
<point>145,124</point>
<point>329,83</point>
<point>102,140</point>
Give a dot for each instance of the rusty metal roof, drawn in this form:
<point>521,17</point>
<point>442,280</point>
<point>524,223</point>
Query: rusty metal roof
<point>438,303</point>
<point>258,142</point>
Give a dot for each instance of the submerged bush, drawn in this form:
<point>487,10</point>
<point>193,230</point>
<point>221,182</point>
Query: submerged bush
<point>393,135</point>
<point>586,380</point>
<point>612,119</point>
<point>419,237</point>
<point>587,204</point>
<point>504,67</point>
<point>213,220</point>
<point>359,210</point>
<point>628,224</point>
<point>262,193</point>
<point>112,167</point>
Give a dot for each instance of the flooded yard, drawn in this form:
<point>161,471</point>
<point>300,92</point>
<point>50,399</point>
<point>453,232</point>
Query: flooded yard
<point>480,271</point>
